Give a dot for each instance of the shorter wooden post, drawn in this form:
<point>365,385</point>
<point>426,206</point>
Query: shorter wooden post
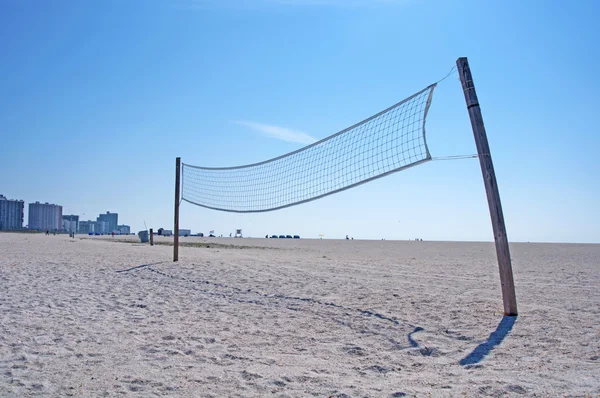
<point>176,226</point>
<point>151,237</point>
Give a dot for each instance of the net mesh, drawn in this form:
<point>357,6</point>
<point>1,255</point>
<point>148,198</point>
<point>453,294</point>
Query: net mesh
<point>389,141</point>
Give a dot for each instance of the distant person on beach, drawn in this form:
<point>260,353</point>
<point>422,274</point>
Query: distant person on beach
<point>113,234</point>
<point>47,232</point>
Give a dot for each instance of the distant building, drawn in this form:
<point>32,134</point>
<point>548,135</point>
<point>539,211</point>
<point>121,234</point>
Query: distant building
<point>124,229</point>
<point>85,227</point>
<point>11,213</point>
<point>44,216</point>
<point>108,222</point>
<point>70,223</point>
<point>185,232</point>
<point>103,227</point>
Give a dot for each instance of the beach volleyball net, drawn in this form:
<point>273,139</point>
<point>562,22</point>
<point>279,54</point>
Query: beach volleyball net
<point>390,141</point>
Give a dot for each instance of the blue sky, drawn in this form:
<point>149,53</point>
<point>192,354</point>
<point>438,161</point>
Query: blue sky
<point>99,97</point>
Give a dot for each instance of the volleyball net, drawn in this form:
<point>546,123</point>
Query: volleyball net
<point>390,141</point>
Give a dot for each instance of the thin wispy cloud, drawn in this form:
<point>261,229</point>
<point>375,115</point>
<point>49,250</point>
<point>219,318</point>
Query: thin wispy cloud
<point>280,133</point>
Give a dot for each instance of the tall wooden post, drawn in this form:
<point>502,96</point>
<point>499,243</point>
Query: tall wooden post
<point>491,188</point>
<point>151,237</point>
<point>176,227</point>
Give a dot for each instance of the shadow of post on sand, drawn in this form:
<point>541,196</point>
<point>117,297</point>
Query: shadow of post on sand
<point>496,337</point>
<point>412,341</point>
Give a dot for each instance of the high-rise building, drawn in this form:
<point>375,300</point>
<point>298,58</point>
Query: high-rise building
<point>11,213</point>
<point>103,227</point>
<point>70,223</point>
<point>44,216</point>
<point>110,220</point>
<point>85,227</point>
<point>124,229</point>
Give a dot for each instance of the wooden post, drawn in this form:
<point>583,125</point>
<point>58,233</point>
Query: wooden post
<point>176,227</point>
<point>491,188</point>
<point>151,237</point>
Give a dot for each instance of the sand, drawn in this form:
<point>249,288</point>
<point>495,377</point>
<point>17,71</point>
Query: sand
<point>294,318</point>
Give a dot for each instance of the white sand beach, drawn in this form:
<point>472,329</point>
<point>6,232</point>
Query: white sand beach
<point>294,318</point>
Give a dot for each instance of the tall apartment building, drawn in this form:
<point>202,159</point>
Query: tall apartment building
<point>85,227</point>
<point>124,229</point>
<point>70,223</point>
<point>109,220</point>
<point>11,213</point>
<point>44,216</point>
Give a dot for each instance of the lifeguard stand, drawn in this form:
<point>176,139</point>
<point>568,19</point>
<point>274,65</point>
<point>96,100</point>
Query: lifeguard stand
<point>238,233</point>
